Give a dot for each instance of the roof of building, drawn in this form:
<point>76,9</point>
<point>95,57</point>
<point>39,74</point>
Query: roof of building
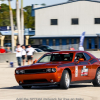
<point>26,32</point>
<point>63,3</point>
<point>61,36</point>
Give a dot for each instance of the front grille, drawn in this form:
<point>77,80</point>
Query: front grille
<point>35,81</point>
<point>32,71</point>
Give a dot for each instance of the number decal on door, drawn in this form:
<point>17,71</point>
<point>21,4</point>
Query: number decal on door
<point>84,71</point>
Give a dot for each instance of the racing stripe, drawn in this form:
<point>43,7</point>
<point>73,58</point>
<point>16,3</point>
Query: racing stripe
<point>69,64</point>
<point>93,61</point>
<point>73,64</point>
<point>83,63</point>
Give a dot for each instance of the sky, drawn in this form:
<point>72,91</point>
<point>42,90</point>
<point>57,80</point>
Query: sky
<point>30,2</point>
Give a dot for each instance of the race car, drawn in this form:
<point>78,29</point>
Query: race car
<point>60,68</point>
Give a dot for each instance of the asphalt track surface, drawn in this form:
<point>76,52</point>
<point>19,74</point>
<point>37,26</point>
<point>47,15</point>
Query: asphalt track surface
<point>10,90</point>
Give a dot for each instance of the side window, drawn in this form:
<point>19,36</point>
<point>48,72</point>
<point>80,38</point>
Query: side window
<point>79,55</point>
<point>44,48</point>
<point>56,58</point>
<point>87,56</point>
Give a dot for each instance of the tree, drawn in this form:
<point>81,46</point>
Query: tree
<point>43,4</point>
<point>29,21</point>
<point>11,20</point>
<point>4,8</point>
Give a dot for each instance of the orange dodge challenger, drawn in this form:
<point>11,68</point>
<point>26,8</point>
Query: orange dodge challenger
<point>60,68</point>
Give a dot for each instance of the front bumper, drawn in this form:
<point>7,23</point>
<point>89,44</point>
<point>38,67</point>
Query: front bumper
<point>40,84</point>
<point>31,77</point>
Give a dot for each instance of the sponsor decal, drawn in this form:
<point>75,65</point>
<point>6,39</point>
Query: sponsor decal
<point>84,71</point>
<point>76,71</point>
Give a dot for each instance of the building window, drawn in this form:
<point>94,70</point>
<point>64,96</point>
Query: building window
<point>54,21</point>
<point>74,21</point>
<point>97,20</point>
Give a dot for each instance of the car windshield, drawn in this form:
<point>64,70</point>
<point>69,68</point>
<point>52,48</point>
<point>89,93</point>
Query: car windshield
<point>56,57</point>
<point>38,50</point>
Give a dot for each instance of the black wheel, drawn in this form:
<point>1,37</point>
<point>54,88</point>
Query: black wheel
<point>26,87</point>
<point>65,80</point>
<point>96,81</point>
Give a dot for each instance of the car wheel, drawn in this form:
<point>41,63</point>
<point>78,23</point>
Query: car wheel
<point>96,81</point>
<point>26,87</point>
<point>65,80</point>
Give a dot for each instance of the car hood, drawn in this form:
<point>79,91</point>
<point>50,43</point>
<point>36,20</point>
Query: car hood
<point>43,65</point>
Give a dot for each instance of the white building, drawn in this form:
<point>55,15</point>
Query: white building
<point>62,24</point>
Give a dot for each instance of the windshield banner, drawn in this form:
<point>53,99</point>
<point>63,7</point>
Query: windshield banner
<point>82,39</point>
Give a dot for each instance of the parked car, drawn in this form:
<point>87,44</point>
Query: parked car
<point>44,48</point>
<point>38,50</point>
<point>60,68</point>
<point>7,45</point>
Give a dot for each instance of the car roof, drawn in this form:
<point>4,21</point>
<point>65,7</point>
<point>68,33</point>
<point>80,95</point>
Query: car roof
<point>73,51</point>
<point>37,48</point>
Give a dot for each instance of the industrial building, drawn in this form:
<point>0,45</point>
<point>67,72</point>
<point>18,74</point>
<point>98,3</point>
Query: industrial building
<point>61,25</point>
<point>5,36</point>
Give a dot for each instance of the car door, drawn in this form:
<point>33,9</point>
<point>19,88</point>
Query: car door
<point>83,68</point>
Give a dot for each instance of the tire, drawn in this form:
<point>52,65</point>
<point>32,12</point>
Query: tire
<point>26,87</point>
<point>65,80</point>
<point>96,81</point>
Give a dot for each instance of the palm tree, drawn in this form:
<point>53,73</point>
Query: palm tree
<point>20,30</point>
<point>18,21</point>
<point>12,25</point>
<point>22,22</point>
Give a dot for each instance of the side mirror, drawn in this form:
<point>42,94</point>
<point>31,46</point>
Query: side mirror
<point>80,59</point>
<point>35,61</point>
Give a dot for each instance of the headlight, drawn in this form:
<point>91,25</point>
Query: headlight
<point>53,69</point>
<point>17,71</point>
<point>50,70</point>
